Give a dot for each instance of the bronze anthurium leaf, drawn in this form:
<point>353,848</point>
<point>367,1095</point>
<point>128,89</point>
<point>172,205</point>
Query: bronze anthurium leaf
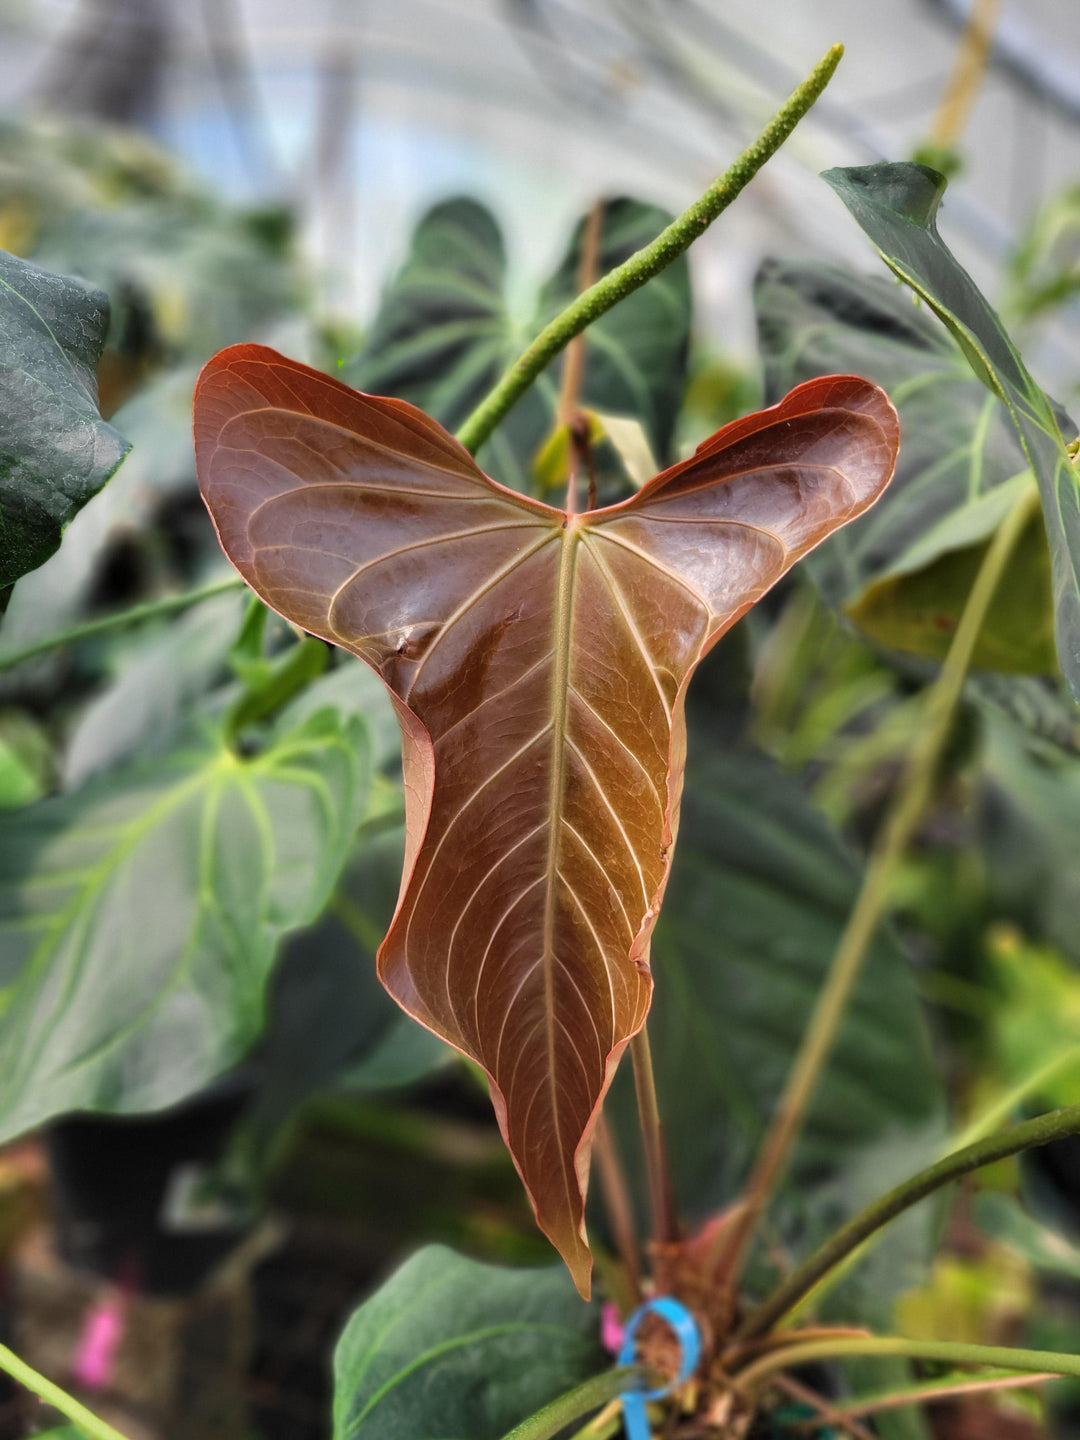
<point>538,662</point>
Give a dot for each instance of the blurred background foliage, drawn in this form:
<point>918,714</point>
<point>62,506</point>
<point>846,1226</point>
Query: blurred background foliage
<point>201,832</point>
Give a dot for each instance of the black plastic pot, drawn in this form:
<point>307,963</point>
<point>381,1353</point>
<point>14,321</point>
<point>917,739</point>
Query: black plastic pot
<point>123,1188</point>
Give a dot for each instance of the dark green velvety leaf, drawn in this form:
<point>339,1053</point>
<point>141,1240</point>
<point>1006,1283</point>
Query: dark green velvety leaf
<point>897,206</point>
<point>140,917</point>
<point>161,466</point>
<point>450,1349</point>
<point>759,893</point>
<point>958,446</point>
<point>903,571</point>
<point>444,335</point>
<point>55,449</point>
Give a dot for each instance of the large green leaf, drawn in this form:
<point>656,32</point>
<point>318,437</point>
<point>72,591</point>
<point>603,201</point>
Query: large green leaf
<point>160,467</point>
<point>55,449</point>
<point>450,1349</point>
<point>444,334</point>
<point>139,917</point>
<point>897,206</point>
<point>904,570</point>
<point>958,446</point>
<point>331,1024</point>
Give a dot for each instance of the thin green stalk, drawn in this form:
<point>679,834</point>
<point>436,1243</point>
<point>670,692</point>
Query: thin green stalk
<point>1040,1131</point>
<point>603,1425</point>
<point>899,828</point>
<point>647,262</point>
<point>933,1390</point>
<point>1007,1105</point>
<point>619,1208</point>
<point>652,1136</point>
<point>151,610</point>
<point>59,1399</point>
<point>575,1403</point>
<point>951,1351</point>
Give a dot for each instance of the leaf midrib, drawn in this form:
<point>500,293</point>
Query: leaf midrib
<point>560,705</point>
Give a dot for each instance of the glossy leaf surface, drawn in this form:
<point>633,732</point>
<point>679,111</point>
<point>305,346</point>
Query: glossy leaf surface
<point>897,207</point>
<point>140,916</point>
<point>449,1349</point>
<point>55,449</point>
<point>538,661</point>
<point>444,334</point>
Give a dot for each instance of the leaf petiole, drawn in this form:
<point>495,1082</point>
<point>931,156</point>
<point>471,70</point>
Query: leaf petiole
<point>1042,1362</point>
<point>59,1399</point>
<point>121,619</point>
<point>571,1406</point>
<point>1040,1131</point>
<point>939,1390</point>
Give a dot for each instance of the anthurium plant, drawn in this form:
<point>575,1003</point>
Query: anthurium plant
<point>539,652</point>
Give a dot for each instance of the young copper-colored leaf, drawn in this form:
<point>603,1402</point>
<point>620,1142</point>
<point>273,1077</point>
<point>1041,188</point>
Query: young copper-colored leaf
<point>538,662</point>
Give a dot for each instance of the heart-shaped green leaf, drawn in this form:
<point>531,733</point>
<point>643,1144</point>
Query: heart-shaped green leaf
<point>538,661</point>
<point>897,207</point>
<point>139,917</point>
<point>444,334</point>
<point>450,1349</point>
<point>55,449</point>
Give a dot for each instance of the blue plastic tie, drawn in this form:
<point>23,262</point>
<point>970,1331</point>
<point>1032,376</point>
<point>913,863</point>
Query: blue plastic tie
<point>635,1420</point>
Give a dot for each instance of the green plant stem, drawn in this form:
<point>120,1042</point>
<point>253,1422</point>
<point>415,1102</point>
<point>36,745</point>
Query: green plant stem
<point>1009,1102</point>
<point>618,1205</point>
<point>938,1390</point>
<point>1040,1131</point>
<point>652,1136</point>
<point>603,1425</point>
<point>901,823</point>
<point>827,1414</point>
<point>59,1399</point>
<point>952,1352</point>
<point>151,610</point>
<point>647,262</point>
<point>578,1402</point>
